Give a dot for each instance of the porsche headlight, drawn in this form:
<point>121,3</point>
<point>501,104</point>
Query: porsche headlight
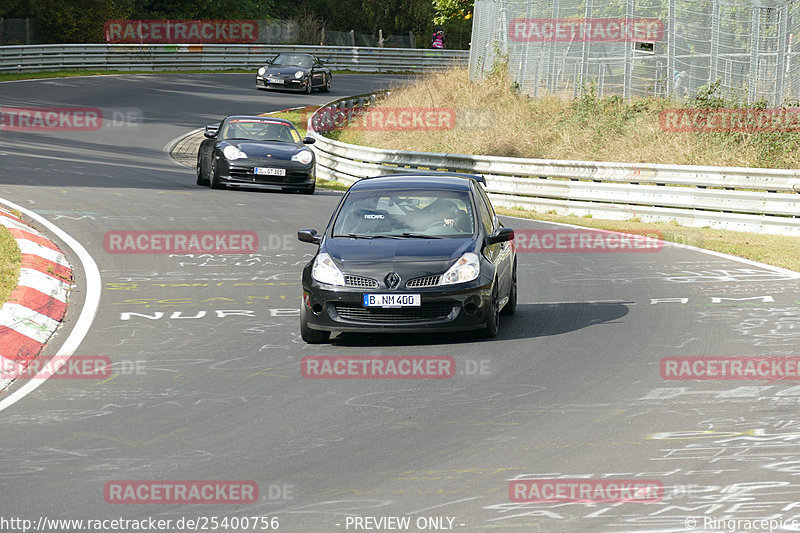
<point>299,74</point>
<point>326,271</point>
<point>231,153</point>
<point>467,268</point>
<point>262,71</point>
<point>303,157</point>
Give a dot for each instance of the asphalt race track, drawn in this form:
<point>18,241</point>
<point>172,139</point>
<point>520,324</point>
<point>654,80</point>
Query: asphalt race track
<point>207,352</point>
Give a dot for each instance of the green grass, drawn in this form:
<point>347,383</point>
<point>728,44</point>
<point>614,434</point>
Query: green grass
<point>774,250</point>
<point>335,185</point>
<point>10,259</point>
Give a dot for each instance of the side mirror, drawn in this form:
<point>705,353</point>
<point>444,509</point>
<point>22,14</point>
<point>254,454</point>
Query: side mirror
<point>211,131</point>
<point>309,235</point>
<point>501,235</point>
<point>309,140</point>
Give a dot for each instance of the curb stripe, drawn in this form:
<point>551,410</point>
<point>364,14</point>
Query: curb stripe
<point>29,247</point>
<point>9,223</point>
<point>9,367</point>
<point>45,266</point>
<point>17,347</point>
<point>38,301</point>
<point>40,281</point>
<point>38,239</point>
<point>4,214</point>
<point>80,327</point>
<point>28,322</point>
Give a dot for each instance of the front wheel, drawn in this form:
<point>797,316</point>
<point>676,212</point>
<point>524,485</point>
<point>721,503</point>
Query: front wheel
<point>309,86</point>
<point>310,190</point>
<point>215,183</point>
<point>312,336</point>
<point>493,320</point>
<point>200,179</point>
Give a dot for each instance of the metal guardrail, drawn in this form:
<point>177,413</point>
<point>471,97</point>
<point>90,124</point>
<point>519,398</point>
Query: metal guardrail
<point>734,198</point>
<point>218,57</point>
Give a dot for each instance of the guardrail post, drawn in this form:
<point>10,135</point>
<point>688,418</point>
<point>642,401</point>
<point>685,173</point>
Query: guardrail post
<point>755,40</point>
<point>628,72</point>
<point>783,44</point>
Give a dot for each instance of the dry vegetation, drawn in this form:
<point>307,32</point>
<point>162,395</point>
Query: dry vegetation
<point>593,129</point>
<point>587,128</point>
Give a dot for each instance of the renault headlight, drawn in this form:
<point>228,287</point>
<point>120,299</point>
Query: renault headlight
<point>262,71</point>
<point>231,152</point>
<point>303,157</point>
<point>326,271</point>
<point>467,268</point>
<point>299,74</point>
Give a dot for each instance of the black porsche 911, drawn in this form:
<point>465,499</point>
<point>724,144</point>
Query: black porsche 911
<point>295,72</point>
<point>256,152</point>
<point>410,253</point>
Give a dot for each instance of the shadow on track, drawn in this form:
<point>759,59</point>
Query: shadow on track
<point>530,321</point>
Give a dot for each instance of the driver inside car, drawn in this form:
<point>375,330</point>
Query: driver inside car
<point>450,216</point>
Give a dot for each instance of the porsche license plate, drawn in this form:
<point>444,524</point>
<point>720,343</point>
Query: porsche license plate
<point>267,171</point>
<point>392,300</point>
<point>274,80</point>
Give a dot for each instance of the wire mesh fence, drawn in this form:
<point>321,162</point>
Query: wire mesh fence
<point>669,48</point>
<point>19,31</point>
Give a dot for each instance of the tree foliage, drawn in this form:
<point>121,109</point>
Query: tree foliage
<point>81,21</point>
<point>449,10</point>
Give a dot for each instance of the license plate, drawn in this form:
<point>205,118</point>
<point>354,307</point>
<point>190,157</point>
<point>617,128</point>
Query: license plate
<point>265,171</point>
<point>274,80</point>
<point>392,300</point>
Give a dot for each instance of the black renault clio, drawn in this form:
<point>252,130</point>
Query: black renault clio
<point>410,253</point>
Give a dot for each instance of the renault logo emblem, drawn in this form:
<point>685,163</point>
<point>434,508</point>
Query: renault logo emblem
<point>392,280</point>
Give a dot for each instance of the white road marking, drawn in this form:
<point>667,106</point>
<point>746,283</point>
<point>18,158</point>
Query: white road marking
<point>87,314</point>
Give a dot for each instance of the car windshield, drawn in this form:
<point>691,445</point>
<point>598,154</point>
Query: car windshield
<point>291,60</point>
<point>258,130</point>
<point>405,213</point>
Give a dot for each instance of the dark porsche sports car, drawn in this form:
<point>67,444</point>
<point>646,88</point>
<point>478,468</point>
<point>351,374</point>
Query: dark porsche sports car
<point>410,253</point>
<point>297,72</point>
<point>255,152</point>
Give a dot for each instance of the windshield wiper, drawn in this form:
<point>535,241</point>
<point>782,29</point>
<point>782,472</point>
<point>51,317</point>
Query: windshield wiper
<point>237,139</point>
<point>418,236</point>
<point>356,236</point>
